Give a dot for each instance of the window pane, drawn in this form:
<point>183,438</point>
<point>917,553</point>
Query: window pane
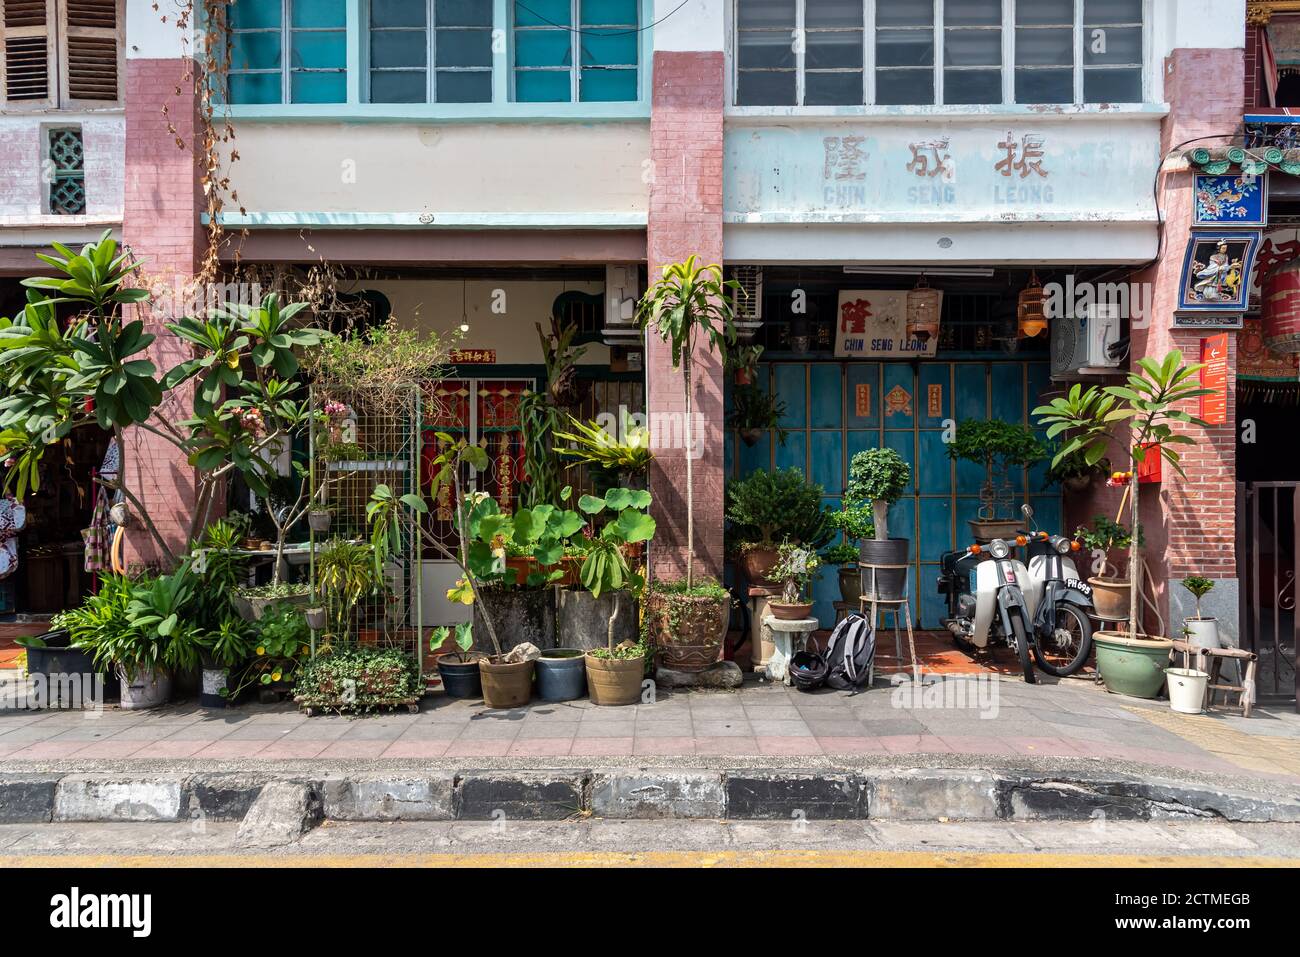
<point>1048,47</point>
<point>972,86</point>
<point>318,88</point>
<point>607,86</point>
<point>1112,11</point>
<point>905,48</point>
<point>465,13</point>
<point>1112,86</point>
<point>904,87</point>
<point>1053,12</point>
<point>607,12</point>
<point>392,48</point>
<point>972,48</point>
<point>543,48</point>
<point>542,13</point>
<point>608,50</point>
<point>463,48</point>
<point>766,50</point>
<point>319,13</point>
<point>830,50</point>
<point>396,13</point>
<point>833,89</point>
<point>1122,45</point>
<point>832,13</point>
<point>255,51</point>
<point>972,13</point>
<point>464,87</point>
<point>1045,86</point>
<point>320,50</point>
<point>397,86</point>
<point>255,88</point>
<point>904,13</point>
<point>542,86</point>
<point>766,13</point>
<point>253,14</point>
<point>765,89</point>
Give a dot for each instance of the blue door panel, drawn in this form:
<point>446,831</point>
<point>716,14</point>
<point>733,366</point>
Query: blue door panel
<point>827,397</point>
<point>826,460</point>
<point>971,398</point>
<point>755,457</point>
<point>791,387</point>
<point>904,443</point>
<point>898,393</point>
<point>860,442</point>
<point>968,509</point>
<point>826,591</point>
<point>1048,513</point>
<point>970,476</point>
<point>1007,389</point>
<point>934,529</point>
<point>934,378</point>
<point>862,383</point>
<point>934,473</point>
<point>902,520</point>
<point>933,608</point>
<point>794,452</point>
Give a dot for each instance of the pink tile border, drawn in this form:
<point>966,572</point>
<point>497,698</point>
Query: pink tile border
<point>663,746</point>
<point>417,748</point>
<point>481,748</point>
<point>539,747</point>
<point>788,745</point>
<point>601,747</point>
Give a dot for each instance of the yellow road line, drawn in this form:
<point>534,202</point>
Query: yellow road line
<point>694,859</point>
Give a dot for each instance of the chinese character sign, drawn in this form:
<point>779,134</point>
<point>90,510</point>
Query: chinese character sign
<point>872,324</point>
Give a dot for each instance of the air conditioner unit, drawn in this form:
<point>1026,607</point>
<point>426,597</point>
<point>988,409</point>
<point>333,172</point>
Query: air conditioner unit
<point>1086,345</point>
<point>748,299</point>
<point>622,286</point>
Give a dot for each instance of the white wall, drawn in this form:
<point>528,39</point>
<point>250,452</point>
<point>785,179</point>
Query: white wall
<point>23,190</point>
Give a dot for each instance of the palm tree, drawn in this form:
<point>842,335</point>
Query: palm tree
<point>689,298</point>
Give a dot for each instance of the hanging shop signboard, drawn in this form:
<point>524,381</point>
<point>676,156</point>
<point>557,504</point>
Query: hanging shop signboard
<point>473,357</point>
<point>872,324</point>
<point>1214,353</point>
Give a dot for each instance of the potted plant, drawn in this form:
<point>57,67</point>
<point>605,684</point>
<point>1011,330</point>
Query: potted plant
<point>742,362</point>
<point>845,557</point>
<point>765,508</point>
<point>1074,474</point>
<point>999,447</point>
<point>795,569</point>
<point>280,647</point>
<point>252,602</point>
<point>345,573</point>
<point>611,460</point>
<point>753,412</point>
<point>224,648</point>
<point>319,517</point>
<point>879,477</point>
<point>687,622</point>
<point>1201,632</point>
<point>1111,588</point>
<point>458,669</point>
<point>358,681</point>
<point>1140,417</point>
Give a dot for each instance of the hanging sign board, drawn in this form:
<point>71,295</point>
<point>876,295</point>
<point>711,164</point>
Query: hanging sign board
<point>1214,353</point>
<point>872,324</point>
<point>472,357</point>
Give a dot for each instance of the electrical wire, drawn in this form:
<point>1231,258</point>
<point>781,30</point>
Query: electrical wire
<point>584,33</point>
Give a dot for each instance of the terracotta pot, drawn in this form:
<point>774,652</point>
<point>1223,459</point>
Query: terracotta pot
<point>791,612</point>
<point>506,685</point>
<point>757,564</point>
<point>522,567</point>
<point>688,631</point>
<point>614,681</point>
<point>1110,598</point>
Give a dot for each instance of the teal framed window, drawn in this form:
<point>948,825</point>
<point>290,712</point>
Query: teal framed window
<point>287,51</point>
<point>569,51</point>
<point>430,51</point>
<point>67,171</point>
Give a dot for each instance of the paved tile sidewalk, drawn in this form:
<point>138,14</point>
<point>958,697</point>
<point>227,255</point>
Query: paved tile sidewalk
<point>1071,719</point>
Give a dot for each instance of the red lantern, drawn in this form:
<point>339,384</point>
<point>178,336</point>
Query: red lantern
<point>1281,308</point>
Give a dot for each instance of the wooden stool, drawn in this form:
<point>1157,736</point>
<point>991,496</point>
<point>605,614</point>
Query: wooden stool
<point>842,610</point>
<point>1211,660</point>
<point>891,606</point>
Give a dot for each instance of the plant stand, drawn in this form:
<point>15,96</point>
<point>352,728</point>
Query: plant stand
<point>782,633</point>
<point>1210,660</point>
<point>873,607</point>
<point>759,652</point>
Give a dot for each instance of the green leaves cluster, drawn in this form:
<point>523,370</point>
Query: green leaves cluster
<point>994,443</point>
<point>605,566</point>
<point>594,446</point>
<point>769,507</point>
<point>877,475</point>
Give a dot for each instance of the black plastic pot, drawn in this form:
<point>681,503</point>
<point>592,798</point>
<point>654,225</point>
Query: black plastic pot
<point>888,584</point>
<point>460,679</point>
<point>213,680</point>
<point>561,674</point>
<point>56,659</point>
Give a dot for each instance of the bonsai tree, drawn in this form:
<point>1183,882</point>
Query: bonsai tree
<point>689,300</point>
<point>765,508</point>
<point>1140,417</point>
<point>879,477</point>
<point>1199,587</point>
<point>999,447</point>
<point>795,569</point>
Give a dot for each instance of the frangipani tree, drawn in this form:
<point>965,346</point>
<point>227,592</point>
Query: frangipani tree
<point>688,300</point>
<point>1140,417</point>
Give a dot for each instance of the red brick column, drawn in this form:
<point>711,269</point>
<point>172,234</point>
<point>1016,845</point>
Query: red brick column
<point>161,225</point>
<point>685,218</point>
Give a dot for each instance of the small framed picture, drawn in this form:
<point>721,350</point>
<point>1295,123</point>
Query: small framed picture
<point>1216,271</point>
<point>1240,199</point>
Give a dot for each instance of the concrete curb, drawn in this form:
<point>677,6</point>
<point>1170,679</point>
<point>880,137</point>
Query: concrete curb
<point>922,794</point>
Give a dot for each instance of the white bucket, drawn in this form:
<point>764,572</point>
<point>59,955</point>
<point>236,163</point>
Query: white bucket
<point>1186,689</point>
<point>1203,632</point>
<point>148,689</point>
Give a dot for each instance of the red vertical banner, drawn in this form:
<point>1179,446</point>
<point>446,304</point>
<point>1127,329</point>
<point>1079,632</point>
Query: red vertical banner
<point>1214,353</point>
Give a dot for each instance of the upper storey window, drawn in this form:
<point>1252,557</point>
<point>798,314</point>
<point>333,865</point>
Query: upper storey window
<point>60,53</point>
<point>288,51</point>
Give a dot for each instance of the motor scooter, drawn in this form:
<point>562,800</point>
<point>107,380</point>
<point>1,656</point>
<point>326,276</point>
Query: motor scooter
<point>986,603</point>
<point>1059,602</point>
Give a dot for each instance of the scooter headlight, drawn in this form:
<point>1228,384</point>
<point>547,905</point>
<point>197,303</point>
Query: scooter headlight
<point>999,548</point>
<point>1062,545</point>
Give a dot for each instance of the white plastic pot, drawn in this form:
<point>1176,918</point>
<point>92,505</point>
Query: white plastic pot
<point>1186,689</point>
<point>1203,632</point>
<point>148,689</point>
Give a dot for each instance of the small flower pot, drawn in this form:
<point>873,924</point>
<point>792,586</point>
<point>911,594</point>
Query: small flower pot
<point>506,684</point>
<point>561,674</point>
<point>791,612</point>
<point>614,681</point>
<point>460,679</point>
<point>757,564</point>
<point>318,520</point>
<point>751,436</point>
<point>315,618</point>
<point>1110,598</point>
<point>1186,689</point>
<point>1203,632</point>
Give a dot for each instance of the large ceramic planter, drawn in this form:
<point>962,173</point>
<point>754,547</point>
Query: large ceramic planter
<point>1202,632</point>
<point>561,674</point>
<point>506,685</point>
<point>147,689</point>
<point>890,583</point>
<point>757,564</point>
<point>850,584</point>
<point>1132,666</point>
<point>519,615</point>
<point>586,622</point>
<point>460,679</point>
<point>687,630</point>
<point>614,681</point>
<point>1110,598</point>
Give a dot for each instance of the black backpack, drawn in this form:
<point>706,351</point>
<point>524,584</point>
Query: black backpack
<point>850,652</point>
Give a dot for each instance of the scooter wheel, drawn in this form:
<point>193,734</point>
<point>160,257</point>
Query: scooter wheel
<point>1021,639</point>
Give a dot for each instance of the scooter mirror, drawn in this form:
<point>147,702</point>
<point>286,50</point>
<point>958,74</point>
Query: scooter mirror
<point>1027,510</point>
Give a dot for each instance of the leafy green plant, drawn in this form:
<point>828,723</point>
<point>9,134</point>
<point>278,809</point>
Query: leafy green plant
<point>841,554</point>
<point>767,507</point>
<point>998,446</point>
<point>1105,535</point>
<point>464,632</point>
<point>743,360</point>
<point>272,590</point>
<point>543,413</point>
<point>379,356</point>
<point>279,644</point>
<point>229,644</point>
<point>101,626</point>
<point>856,520</point>
<point>605,566</point>
<point>626,651</point>
<point>795,568</point>
<point>690,300</point>
<point>753,408</point>
<point>627,454</point>
<point>345,573</point>
<point>879,477</point>
<point>1199,587</point>
<point>1075,466</point>
<point>358,680</point>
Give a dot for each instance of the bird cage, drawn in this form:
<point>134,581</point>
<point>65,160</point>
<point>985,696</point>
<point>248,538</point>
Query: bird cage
<point>364,436</point>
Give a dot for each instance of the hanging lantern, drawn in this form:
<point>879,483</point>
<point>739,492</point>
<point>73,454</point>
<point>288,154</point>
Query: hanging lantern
<point>1030,320</point>
<point>1280,308</point>
<point>923,311</point>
